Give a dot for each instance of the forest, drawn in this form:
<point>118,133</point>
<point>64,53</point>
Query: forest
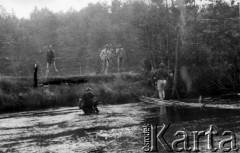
<point>198,43</point>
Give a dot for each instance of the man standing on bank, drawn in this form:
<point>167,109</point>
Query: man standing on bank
<point>161,77</point>
<point>121,57</point>
<point>105,57</point>
<point>51,57</point>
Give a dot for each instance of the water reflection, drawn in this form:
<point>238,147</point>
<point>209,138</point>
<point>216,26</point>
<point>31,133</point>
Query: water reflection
<point>176,114</point>
<point>191,119</point>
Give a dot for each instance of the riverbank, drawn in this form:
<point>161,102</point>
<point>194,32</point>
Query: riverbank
<point>19,95</point>
<point>118,128</point>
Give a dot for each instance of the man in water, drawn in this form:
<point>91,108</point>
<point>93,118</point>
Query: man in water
<point>161,77</point>
<point>51,56</point>
<point>89,104</point>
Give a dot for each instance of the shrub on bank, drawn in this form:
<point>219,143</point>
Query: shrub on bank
<point>17,96</point>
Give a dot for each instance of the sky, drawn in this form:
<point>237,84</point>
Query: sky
<point>23,8</point>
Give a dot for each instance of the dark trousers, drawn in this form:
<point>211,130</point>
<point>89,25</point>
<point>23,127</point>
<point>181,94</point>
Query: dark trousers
<point>89,109</point>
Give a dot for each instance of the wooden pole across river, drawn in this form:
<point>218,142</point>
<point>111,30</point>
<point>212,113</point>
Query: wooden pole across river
<point>186,104</point>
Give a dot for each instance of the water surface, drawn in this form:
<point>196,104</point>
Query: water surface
<point>118,128</point>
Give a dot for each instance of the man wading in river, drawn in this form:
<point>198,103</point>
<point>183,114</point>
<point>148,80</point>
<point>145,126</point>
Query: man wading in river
<point>88,103</point>
<point>161,77</point>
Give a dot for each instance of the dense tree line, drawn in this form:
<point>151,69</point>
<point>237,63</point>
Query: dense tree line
<point>199,43</point>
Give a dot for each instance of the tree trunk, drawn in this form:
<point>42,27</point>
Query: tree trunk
<point>174,87</point>
<point>168,61</point>
<point>180,38</point>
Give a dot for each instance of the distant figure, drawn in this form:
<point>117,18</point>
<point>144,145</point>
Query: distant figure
<point>161,76</point>
<point>121,57</point>
<point>201,101</point>
<point>110,53</point>
<point>35,80</point>
<point>51,56</point>
<point>88,102</point>
<point>106,55</point>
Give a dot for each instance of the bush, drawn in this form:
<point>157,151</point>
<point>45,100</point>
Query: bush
<point>17,96</point>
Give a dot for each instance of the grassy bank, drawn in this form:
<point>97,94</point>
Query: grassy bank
<point>18,95</point>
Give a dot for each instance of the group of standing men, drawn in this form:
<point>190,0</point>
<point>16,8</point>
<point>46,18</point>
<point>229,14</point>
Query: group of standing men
<point>107,55</point>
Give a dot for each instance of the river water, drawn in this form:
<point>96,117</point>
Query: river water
<point>118,128</point>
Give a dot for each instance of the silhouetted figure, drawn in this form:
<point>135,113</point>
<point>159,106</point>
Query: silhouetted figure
<point>35,80</point>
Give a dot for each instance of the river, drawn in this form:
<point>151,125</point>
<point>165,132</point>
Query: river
<point>118,128</point>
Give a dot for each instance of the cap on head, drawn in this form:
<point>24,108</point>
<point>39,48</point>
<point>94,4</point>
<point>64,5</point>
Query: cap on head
<point>88,89</point>
<point>161,65</point>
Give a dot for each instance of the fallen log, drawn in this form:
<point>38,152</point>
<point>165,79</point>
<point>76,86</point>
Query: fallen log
<point>58,81</point>
<point>180,103</point>
<point>88,78</point>
<point>154,101</point>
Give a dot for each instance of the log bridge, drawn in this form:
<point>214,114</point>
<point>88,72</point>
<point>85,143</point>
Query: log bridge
<point>186,104</point>
<point>38,81</point>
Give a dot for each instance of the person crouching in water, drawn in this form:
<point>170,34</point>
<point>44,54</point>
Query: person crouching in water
<point>89,103</point>
<point>161,76</point>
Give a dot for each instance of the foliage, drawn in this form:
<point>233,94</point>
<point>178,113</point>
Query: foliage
<point>147,31</point>
<point>19,95</point>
